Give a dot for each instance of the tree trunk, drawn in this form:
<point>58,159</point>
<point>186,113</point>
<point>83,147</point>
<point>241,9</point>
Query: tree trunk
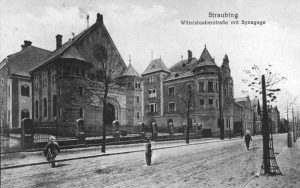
<point>187,138</point>
<point>104,118</point>
<point>266,130</point>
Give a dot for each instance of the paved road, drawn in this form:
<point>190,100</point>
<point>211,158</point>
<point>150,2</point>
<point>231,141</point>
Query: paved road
<point>218,164</point>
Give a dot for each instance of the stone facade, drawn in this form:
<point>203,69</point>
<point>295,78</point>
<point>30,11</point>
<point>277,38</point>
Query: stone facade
<point>165,93</point>
<point>68,84</point>
<point>15,87</point>
<point>244,114</point>
<point>274,116</point>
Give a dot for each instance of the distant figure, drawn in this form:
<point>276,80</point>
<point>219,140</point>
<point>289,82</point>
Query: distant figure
<point>51,151</point>
<point>148,152</point>
<point>248,138</point>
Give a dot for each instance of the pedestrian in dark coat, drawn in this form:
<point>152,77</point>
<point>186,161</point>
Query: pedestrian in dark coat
<point>51,151</point>
<point>148,152</point>
<point>248,138</point>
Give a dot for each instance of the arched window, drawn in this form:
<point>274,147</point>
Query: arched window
<point>25,114</point>
<point>45,107</point>
<point>36,109</point>
<point>54,105</point>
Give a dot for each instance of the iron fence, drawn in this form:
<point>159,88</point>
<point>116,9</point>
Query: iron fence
<point>62,131</point>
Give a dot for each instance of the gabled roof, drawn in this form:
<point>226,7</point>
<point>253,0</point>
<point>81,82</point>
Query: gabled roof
<point>130,71</point>
<point>29,57</point>
<point>155,65</point>
<point>206,59</point>
<point>59,52</point>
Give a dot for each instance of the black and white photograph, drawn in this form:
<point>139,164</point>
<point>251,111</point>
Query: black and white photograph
<point>150,93</point>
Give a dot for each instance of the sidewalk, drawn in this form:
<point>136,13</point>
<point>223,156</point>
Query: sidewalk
<point>289,164</point>
<point>15,160</point>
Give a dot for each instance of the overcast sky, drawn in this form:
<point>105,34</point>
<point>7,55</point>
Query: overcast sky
<point>139,26</point>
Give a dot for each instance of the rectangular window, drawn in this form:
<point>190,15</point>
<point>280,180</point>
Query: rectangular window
<point>138,99</point>
<point>189,87</point>
<point>171,91</point>
<point>81,91</point>
<point>201,86</point>
<point>151,79</point>
<point>152,93</point>
<point>138,115</point>
<point>201,102</point>
<point>152,108</point>
<point>137,85</point>
<point>211,103</point>
<point>216,86</point>
<point>80,112</point>
<point>171,107</point>
<point>210,87</point>
<point>45,107</point>
<point>25,91</point>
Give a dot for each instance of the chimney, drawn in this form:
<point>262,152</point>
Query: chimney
<point>58,41</point>
<point>26,43</point>
<point>99,18</point>
<point>190,56</point>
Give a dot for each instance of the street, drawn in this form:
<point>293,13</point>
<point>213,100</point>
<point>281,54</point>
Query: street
<point>217,164</point>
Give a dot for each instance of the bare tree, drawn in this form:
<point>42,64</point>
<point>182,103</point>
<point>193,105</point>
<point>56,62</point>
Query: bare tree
<point>104,76</point>
<point>262,82</point>
<point>289,104</point>
<point>188,101</point>
<point>254,82</point>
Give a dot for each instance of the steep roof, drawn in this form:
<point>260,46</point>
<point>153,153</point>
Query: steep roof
<point>206,59</point>
<point>130,71</point>
<point>29,57</point>
<point>184,65</point>
<point>59,52</point>
<point>155,65</point>
<point>182,69</point>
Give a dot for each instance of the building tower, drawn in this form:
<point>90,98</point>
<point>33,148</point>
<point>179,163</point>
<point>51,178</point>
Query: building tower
<point>153,78</point>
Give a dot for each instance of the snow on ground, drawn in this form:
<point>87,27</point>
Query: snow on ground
<point>218,164</point>
<point>289,164</point>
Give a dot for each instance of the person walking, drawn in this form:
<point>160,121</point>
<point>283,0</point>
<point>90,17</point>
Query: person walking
<point>248,138</point>
<point>51,151</point>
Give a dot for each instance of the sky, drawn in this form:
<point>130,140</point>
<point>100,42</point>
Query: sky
<point>137,27</point>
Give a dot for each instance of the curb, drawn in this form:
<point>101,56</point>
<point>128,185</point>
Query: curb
<point>116,153</point>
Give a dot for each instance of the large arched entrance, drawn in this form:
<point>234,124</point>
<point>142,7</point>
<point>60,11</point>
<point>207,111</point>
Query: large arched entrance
<point>109,116</point>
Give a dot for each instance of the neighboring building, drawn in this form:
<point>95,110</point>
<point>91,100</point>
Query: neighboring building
<point>257,116</point>
<point>274,116</point>
<point>15,86</point>
<point>165,88</point>
<point>62,83</point>
<point>244,114</point>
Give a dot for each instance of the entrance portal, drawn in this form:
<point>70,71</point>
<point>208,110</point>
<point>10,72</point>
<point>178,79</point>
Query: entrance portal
<point>109,116</point>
